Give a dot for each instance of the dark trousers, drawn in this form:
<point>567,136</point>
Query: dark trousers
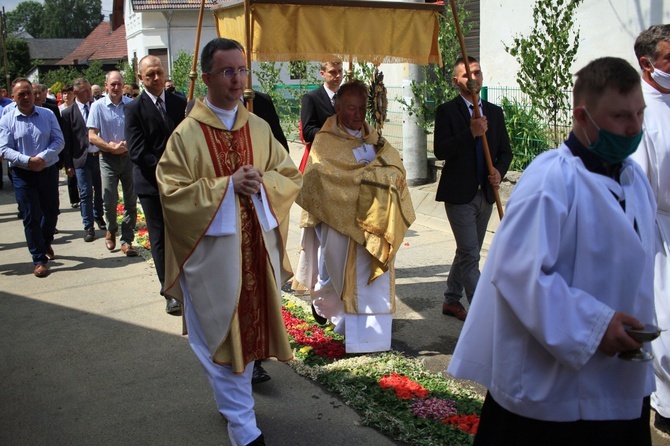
<point>153,212</point>
<point>73,189</point>
<point>498,426</point>
<point>468,223</point>
<point>90,191</point>
<point>37,196</point>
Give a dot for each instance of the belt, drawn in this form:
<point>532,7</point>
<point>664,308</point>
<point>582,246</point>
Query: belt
<point>107,154</point>
<point>94,153</point>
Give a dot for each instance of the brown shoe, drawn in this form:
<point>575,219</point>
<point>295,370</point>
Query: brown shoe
<point>110,241</point>
<point>50,253</point>
<point>41,270</point>
<point>128,250</point>
<point>456,310</point>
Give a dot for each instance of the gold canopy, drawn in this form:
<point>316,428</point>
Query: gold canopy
<point>354,31</point>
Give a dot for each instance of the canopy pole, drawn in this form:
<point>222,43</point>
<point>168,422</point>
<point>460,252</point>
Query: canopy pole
<point>472,86</point>
<point>248,92</point>
<point>193,74</point>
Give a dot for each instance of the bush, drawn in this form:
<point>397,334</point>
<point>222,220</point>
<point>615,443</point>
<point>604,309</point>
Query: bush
<point>528,137</point>
<point>181,67</point>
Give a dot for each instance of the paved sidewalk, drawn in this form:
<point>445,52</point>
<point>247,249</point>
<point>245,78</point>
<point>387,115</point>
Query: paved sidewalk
<point>88,355</point>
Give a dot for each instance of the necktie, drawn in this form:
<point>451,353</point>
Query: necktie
<point>479,151</point>
<point>85,112</point>
<point>159,104</point>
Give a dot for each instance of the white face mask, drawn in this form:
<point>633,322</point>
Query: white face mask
<point>661,78</point>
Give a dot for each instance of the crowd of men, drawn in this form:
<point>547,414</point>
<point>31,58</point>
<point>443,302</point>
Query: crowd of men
<point>580,259</point>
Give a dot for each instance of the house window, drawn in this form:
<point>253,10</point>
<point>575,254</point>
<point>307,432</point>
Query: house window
<point>162,54</point>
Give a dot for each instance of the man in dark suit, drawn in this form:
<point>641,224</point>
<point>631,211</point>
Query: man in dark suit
<point>319,105</point>
<point>150,120</point>
<point>82,159</point>
<point>465,186</point>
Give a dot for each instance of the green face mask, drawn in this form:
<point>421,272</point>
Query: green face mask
<point>610,147</point>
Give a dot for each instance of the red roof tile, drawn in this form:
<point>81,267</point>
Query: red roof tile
<point>101,44</point>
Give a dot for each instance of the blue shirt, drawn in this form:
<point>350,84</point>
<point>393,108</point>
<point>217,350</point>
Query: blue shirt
<point>108,118</point>
<point>22,137</point>
<point>8,108</point>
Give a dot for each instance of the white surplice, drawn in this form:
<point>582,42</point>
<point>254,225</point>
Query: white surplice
<point>653,155</point>
<point>564,259</point>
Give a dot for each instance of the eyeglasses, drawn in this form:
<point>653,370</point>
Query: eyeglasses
<point>230,73</point>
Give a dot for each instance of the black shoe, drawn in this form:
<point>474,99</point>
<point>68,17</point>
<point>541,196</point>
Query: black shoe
<point>260,441</point>
<point>90,235</point>
<point>101,224</point>
<point>173,307</point>
<point>661,423</point>
<point>318,318</point>
<point>259,375</point>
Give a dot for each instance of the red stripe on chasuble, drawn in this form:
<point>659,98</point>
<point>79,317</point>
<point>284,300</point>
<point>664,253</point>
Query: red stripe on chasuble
<point>229,152</point>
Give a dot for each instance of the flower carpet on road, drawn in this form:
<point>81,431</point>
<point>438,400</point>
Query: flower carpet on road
<point>394,393</point>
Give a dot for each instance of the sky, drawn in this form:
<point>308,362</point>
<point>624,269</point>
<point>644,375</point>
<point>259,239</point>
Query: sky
<point>11,4</point>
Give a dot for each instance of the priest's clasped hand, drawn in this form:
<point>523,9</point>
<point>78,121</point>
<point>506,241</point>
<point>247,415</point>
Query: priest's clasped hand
<point>247,180</point>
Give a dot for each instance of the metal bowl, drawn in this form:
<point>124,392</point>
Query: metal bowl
<point>646,334</point>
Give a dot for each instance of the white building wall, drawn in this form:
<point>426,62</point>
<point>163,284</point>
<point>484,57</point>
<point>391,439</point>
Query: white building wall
<point>607,28</point>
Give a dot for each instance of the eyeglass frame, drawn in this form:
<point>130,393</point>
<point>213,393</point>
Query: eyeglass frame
<point>230,73</point>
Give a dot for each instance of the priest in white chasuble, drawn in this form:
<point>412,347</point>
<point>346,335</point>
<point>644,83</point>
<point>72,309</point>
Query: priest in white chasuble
<point>227,186</point>
<point>357,210</point>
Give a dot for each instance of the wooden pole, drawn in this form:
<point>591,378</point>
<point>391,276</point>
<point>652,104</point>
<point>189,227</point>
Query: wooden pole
<point>193,74</point>
<point>249,93</point>
<point>472,86</point>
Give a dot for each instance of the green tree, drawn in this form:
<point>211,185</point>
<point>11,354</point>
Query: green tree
<point>545,57</point>
<point>437,86</point>
<point>71,18</point>
<point>18,57</point>
<point>181,67</point>
<point>28,16</point>
<point>94,73</point>
<point>63,75</point>
<point>127,72</point>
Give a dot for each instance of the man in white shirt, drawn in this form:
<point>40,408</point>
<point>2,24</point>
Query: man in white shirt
<point>570,267</point>
<point>652,49</point>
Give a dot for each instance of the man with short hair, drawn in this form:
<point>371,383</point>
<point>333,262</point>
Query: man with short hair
<point>105,131</point>
<point>652,50</point>
<point>150,120</point>
<point>170,88</point>
<point>570,269</point>
<point>83,159</point>
<point>319,104</point>
<point>96,91</point>
<point>227,187</point>
<point>31,139</point>
<point>350,170</point>
<point>465,187</point>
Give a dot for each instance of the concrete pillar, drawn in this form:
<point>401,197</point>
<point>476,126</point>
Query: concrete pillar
<point>414,139</point>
